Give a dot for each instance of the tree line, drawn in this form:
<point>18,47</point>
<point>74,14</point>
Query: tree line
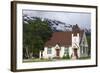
<point>35,34</point>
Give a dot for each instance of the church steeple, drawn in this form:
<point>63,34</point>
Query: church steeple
<point>75,29</point>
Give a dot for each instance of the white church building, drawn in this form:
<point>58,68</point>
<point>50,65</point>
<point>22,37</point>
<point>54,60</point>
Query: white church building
<point>72,43</point>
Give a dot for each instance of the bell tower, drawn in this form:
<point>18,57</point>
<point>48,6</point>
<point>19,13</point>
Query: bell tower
<point>75,41</point>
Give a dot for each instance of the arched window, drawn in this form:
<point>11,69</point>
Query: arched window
<point>49,51</point>
<point>66,51</point>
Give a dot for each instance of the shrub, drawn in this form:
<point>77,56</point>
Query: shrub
<point>66,57</point>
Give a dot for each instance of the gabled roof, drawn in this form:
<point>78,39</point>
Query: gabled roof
<point>60,38</point>
<point>64,38</point>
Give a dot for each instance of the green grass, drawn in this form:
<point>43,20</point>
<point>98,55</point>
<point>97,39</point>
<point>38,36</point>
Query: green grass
<point>82,58</point>
<point>54,59</point>
<point>36,60</point>
<point>43,60</point>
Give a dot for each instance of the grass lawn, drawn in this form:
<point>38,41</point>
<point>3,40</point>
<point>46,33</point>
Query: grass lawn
<point>47,60</point>
<point>83,58</point>
<point>36,60</point>
<point>42,60</point>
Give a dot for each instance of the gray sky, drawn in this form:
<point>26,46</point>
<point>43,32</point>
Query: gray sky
<point>82,19</point>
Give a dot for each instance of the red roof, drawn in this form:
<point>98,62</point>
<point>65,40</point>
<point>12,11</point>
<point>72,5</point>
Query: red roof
<point>63,38</point>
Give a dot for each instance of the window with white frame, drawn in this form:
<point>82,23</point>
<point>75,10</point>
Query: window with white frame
<point>49,51</point>
<point>66,51</point>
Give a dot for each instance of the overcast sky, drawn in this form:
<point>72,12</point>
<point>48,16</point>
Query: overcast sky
<point>82,19</point>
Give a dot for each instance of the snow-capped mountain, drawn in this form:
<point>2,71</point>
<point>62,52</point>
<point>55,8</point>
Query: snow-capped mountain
<point>54,24</point>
